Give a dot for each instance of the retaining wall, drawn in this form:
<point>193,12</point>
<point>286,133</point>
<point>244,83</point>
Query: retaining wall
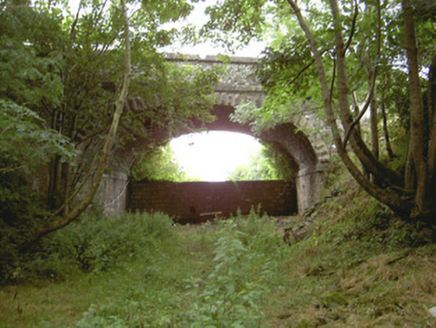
<point>194,201</point>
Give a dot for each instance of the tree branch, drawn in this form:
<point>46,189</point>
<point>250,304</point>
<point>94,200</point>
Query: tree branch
<point>362,112</point>
<point>301,72</point>
<point>306,67</point>
<point>11,169</point>
<point>332,84</point>
<point>353,26</point>
<point>389,197</point>
<point>76,20</point>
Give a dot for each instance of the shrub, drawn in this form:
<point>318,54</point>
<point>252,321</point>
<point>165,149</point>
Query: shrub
<point>20,211</point>
<point>94,244</point>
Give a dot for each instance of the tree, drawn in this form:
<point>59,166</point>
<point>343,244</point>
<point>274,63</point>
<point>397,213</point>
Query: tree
<point>24,144</point>
<point>32,144</point>
<point>335,45</point>
<point>69,215</point>
<point>73,71</point>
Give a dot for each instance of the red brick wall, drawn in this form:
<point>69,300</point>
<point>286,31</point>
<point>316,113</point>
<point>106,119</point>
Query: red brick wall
<point>188,201</point>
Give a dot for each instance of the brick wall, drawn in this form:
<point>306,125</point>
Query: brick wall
<point>190,201</point>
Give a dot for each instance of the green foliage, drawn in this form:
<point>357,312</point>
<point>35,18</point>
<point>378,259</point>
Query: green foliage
<point>95,244</point>
<point>234,293</point>
<point>376,226</point>
<point>21,210</point>
<point>287,70</point>
<point>61,73</point>
<point>159,164</point>
<point>229,289</point>
<point>361,62</point>
<point>258,169</point>
<point>231,21</point>
<point>25,145</point>
<point>91,319</point>
<point>269,164</point>
<point>28,78</point>
<point>352,264</point>
<point>24,141</point>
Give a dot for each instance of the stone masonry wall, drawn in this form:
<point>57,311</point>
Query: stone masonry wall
<point>111,194</point>
<point>239,85</point>
<point>192,201</point>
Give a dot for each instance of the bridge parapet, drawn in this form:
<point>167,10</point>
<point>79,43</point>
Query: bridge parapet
<point>239,85</point>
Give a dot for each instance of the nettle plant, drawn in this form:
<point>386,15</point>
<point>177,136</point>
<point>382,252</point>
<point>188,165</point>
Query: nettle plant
<point>235,292</point>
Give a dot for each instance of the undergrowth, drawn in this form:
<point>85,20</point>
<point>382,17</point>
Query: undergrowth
<point>349,263</point>
<point>93,244</point>
<point>230,291</point>
<point>354,264</point>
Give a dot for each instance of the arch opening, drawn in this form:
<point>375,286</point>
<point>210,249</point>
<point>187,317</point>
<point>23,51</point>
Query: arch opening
<point>214,155</point>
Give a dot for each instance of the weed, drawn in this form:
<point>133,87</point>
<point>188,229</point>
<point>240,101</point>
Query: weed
<point>234,292</point>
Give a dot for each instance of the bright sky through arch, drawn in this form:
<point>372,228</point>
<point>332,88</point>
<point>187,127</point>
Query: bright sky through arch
<point>211,156</point>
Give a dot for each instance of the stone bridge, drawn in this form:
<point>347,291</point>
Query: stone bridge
<point>308,153</point>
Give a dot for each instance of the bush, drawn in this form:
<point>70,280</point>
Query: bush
<point>94,244</point>
<point>378,226</point>
<point>20,212</point>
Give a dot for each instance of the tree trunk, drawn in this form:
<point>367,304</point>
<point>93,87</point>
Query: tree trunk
<point>374,133</point>
<point>417,122</point>
<point>381,172</point>
<point>386,131</point>
<point>431,169</point>
<point>374,104</point>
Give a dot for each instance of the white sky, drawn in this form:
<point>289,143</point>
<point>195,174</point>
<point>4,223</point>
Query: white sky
<point>209,156</point>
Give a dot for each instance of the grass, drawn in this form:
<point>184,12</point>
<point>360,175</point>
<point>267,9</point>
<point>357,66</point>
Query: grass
<point>350,264</point>
<point>63,304</point>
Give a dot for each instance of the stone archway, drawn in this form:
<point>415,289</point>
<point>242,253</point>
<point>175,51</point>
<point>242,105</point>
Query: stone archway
<point>307,161</point>
<point>308,152</point>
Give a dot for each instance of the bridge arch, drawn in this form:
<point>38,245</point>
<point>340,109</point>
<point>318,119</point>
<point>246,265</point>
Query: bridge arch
<point>309,153</point>
<point>286,137</point>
